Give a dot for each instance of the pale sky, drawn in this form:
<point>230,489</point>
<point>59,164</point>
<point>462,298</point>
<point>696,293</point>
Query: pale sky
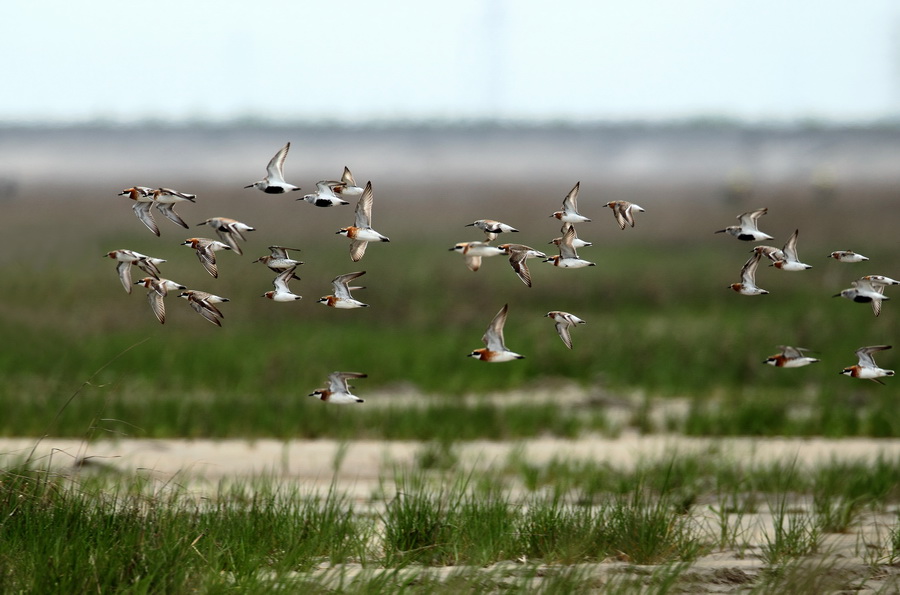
<point>357,60</point>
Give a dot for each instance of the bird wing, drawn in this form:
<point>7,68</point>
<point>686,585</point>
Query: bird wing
<point>517,260</point>
<point>157,304</point>
<point>562,327</point>
<point>566,247</point>
<point>473,262</point>
<point>206,310</point>
<point>748,271</point>
<point>357,249</point>
<point>275,168</point>
<point>281,281</point>
<point>168,210</point>
<point>337,381</point>
<point>621,214</point>
<point>364,207</point>
<point>570,202</point>
<point>790,248</point>
<point>124,270</point>
<point>208,259</point>
<point>142,210</point>
<point>748,220</point>
<point>341,284</point>
<point>493,336</point>
<point>866,354</point>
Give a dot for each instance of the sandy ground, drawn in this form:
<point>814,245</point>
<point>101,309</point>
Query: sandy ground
<point>364,462</point>
<point>853,561</point>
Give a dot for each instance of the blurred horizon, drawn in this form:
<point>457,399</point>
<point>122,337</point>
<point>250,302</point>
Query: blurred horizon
<point>624,157</point>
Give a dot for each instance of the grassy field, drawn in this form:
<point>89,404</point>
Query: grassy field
<point>667,348</point>
<point>660,319</point>
<point>515,527</point>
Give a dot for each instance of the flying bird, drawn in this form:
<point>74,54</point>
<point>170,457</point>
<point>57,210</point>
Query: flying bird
<point>568,256</point>
<point>790,261</point>
<point>325,196</point>
<point>165,200</point>
<point>204,303</point>
<point>279,260</point>
<point>847,256</point>
<point>206,252</point>
<point>341,298</point>
<point>283,293</point>
<point>747,286</point>
<point>790,357</point>
<point>569,212</point>
<point>338,391</point>
<point>624,212</point>
<point>274,182</point>
<point>129,258</point>
<point>473,252</point>
<point>868,289</point>
<point>159,288</point>
<point>867,369</point>
<point>362,233</point>
<point>747,230</point>
<point>518,254</point>
<point>564,323</point>
<point>229,230</point>
<point>495,348</point>
<point>576,241</point>
<point>492,228</point>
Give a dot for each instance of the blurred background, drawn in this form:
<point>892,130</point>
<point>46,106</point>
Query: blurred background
<point>697,110</point>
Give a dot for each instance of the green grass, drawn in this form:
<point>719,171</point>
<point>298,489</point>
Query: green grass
<point>110,533</point>
<point>660,322</point>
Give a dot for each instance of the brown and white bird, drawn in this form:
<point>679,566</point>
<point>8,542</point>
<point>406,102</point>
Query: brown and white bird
<point>165,199</point>
<point>790,261</point>
<point>206,249</point>
<point>229,230</point>
<point>341,298</point>
<point>279,260</point>
<point>866,368</point>
<point>129,258</point>
<point>564,323</point>
<point>362,233</point>
<point>338,391</point>
<point>158,289</point>
<point>347,187</point>
<point>568,257</point>
<point>624,212</point>
<point>518,254</point>
<point>495,348</point>
<point>748,286</point>
<point>790,357</point>
<point>847,256</point>
<point>283,293</point>
<point>143,202</point>
<point>576,241</point>
<point>204,303</point>
<point>473,252</point>
<point>569,212</point>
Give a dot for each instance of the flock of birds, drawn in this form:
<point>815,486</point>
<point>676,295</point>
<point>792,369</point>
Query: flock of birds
<point>867,289</point>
